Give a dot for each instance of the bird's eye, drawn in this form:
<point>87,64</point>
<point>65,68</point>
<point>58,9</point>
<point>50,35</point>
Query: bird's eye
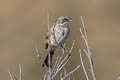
<point>65,19</point>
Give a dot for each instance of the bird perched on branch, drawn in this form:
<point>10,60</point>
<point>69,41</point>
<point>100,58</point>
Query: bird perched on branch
<point>56,37</point>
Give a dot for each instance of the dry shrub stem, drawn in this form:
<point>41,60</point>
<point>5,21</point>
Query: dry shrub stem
<point>86,75</point>
<point>87,52</point>
<point>14,77</point>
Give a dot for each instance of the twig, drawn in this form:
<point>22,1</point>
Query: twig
<point>20,72</point>
<point>11,77</point>
<point>49,76</point>
<point>64,61</point>
<point>55,66</point>
<point>48,18</point>
<point>58,61</point>
<point>118,78</point>
<point>37,51</point>
<point>45,77</point>
<point>88,52</point>
<point>83,66</point>
<point>70,72</point>
<point>38,55</point>
<point>68,54</point>
<point>14,77</point>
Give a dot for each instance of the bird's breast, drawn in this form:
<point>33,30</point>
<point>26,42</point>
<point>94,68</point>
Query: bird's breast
<point>61,34</point>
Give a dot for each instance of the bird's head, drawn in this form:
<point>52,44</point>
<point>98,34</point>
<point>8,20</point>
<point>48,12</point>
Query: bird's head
<point>63,20</point>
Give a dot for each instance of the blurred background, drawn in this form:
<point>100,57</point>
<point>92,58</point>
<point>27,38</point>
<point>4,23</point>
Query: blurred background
<point>23,25</point>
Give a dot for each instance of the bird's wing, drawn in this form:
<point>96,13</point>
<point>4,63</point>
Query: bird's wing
<point>47,40</point>
<point>48,35</point>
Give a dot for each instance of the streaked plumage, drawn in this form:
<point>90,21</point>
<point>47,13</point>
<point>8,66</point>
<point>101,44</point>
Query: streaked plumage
<point>56,36</point>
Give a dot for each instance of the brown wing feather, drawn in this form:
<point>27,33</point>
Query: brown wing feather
<point>46,46</point>
<point>47,38</point>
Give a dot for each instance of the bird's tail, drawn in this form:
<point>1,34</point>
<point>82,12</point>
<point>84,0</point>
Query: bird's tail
<point>46,61</point>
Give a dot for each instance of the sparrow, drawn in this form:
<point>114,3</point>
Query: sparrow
<point>56,37</point>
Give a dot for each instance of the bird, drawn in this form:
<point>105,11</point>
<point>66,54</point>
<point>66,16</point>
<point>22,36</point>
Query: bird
<point>56,37</point>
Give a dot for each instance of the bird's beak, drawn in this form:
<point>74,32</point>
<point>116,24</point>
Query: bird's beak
<point>70,20</point>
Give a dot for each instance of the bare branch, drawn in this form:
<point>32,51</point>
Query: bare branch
<point>38,55</point>
<point>58,61</point>
<point>37,51</point>
<point>68,54</point>
<point>45,77</point>
<point>118,78</point>
<point>48,18</point>
<point>20,72</point>
<point>83,66</point>
<point>55,65</point>
<point>11,77</point>
<point>88,52</point>
<point>64,61</point>
<point>49,76</point>
<point>71,72</point>
<point>14,77</point>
